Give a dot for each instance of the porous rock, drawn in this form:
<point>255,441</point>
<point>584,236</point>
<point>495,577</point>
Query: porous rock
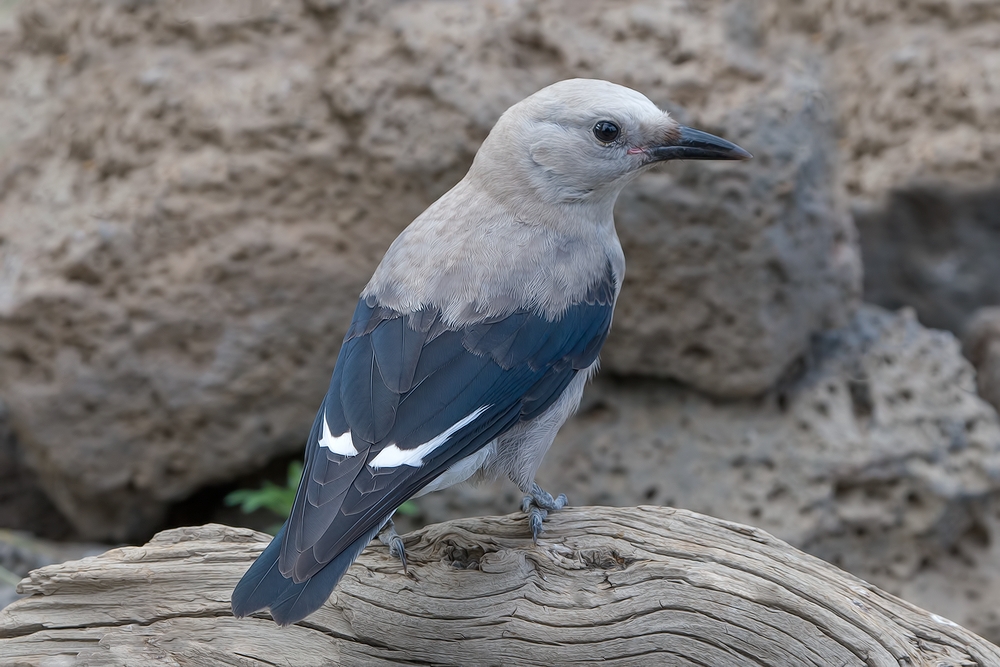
<point>192,196</point>
<point>918,106</point>
<point>982,346</point>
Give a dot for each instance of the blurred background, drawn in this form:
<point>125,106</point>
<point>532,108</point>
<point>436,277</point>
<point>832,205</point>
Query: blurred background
<point>192,195</point>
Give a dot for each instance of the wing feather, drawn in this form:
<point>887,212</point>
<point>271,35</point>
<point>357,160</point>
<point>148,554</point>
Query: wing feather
<point>404,380</point>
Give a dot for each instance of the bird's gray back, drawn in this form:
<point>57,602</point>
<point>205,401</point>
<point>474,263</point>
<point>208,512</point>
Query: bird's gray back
<point>473,258</point>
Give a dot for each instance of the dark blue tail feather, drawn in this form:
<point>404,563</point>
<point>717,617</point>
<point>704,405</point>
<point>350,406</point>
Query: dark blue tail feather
<point>263,586</point>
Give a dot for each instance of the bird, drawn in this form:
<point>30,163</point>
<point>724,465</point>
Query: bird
<point>472,342</point>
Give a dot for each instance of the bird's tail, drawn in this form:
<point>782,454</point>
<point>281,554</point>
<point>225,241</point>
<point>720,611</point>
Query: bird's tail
<point>263,586</point>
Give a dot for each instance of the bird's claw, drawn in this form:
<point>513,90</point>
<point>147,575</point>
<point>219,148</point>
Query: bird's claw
<point>537,505</point>
<point>390,538</point>
<point>536,516</point>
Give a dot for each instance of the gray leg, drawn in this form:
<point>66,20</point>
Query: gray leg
<point>390,538</point>
<point>537,505</point>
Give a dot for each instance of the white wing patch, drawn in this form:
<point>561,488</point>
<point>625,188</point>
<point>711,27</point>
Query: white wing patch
<point>340,444</point>
<point>393,457</point>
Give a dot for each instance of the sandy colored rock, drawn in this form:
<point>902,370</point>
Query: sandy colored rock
<point>918,106</point>
<point>880,459</point>
<point>916,89</point>
<point>192,196</point>
<point>982,347</point>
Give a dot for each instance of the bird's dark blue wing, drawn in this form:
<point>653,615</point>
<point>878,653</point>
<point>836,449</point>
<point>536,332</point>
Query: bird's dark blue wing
<point>416,396</point>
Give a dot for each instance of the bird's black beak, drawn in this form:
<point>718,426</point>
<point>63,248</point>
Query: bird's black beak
<point>692,144</point>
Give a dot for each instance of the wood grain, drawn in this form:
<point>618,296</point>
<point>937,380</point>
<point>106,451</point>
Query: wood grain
<point>626,586</point>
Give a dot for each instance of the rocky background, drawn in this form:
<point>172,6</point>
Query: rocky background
<point>193,193</point>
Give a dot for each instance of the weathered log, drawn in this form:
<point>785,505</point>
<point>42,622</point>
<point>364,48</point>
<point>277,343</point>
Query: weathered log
<point>632,586</point>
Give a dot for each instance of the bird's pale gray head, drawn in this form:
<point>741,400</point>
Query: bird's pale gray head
<point>584,139</point>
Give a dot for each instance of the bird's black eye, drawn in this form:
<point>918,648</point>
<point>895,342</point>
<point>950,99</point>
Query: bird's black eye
<point>606,131</point>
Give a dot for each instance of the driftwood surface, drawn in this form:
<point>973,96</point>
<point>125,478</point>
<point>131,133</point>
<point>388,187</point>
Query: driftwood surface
<point>630,586</point>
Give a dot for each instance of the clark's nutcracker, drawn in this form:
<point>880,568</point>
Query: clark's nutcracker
<point>471,344</point>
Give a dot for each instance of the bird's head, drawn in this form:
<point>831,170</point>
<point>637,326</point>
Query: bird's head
<point>582,140</point>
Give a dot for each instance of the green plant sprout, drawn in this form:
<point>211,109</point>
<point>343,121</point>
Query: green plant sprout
<point>269,496</point>
<point>278,499</point>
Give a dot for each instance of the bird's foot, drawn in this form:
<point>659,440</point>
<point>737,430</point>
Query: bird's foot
<point>537,505</point>
<point>390,538</point>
